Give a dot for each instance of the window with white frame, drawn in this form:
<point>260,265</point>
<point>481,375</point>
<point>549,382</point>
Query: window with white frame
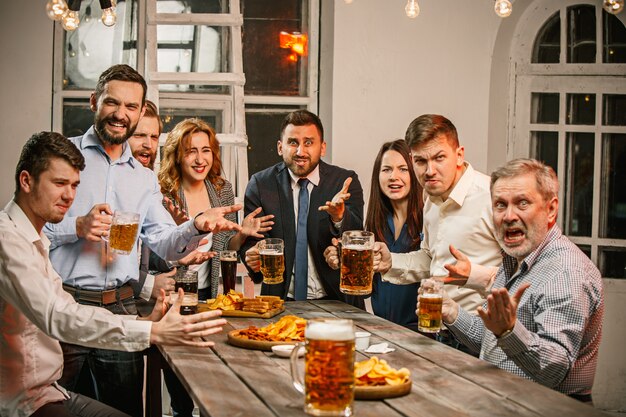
<point>570,102</point>
<point>191,53</point>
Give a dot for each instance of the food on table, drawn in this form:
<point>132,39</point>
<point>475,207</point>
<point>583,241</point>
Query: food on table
<point>234,300</point>
<point>376,372</point>
<point>287,329</point>
<point>230,301</point>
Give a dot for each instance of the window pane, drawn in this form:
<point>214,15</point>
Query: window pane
<point>545,148</point>
<point>544,108</point>
<point>93,47</point>
<point>547,46</point>
<point>614,39</point>
<point>581,109</point>
<point>579,183</point>
<point>268,69</point>
<point>192,48</point>
<point>581,34</point>
<point>192,6</point>
<point>171,116</point>
<point>613,262</point>
<point>263,128</point>
<point>190,88</point>
<point>613,198</point>
<point>614,110</point>
<point>77,116</point>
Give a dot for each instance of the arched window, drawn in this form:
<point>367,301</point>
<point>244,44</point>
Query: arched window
<point>570,111</point>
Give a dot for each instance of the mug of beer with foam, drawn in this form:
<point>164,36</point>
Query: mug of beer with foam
<point>123,233</point>
<point>272,256</point>
<point>430,302</point>
<point>357,262</point>
<point>328,385</point>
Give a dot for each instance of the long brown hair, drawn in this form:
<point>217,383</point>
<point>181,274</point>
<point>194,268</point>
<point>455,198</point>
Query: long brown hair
<point>380,206</point>
<point>170,173</point>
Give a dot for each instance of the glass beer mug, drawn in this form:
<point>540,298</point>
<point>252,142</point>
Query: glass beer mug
<point>328,385</point>
<point>272,256</point>
<point>123,234</point>
<point>357,262</point>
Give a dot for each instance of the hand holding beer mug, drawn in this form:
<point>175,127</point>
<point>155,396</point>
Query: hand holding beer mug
<point>357,262</point>
<point>328,384</point>
<point>272,260</point>
<point>123,234</point>
<point>228,264</point>
<point>430,301</point>
<point>187,279</point>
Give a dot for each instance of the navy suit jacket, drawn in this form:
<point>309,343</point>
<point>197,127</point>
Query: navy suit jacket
<point>271,189</point>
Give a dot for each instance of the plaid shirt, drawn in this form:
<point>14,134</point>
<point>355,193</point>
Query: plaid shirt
<point>556,337</point>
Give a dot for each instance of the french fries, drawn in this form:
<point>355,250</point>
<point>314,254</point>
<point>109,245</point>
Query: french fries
<point>375,372</point>
<point>287,329</point>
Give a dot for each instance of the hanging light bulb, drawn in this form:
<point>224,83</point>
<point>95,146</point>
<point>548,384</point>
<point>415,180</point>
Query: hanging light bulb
<point>71,20</point>
<point>108,13</point>
<point>613,6</point>
<point>56,9</point>
<point>412,9</point>
<point>503,8</point>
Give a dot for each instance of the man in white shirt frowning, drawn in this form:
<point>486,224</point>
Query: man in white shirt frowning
<point>35,311</point>
<point>457,214</point>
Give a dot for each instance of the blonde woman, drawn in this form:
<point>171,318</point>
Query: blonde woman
<point>191,182</point>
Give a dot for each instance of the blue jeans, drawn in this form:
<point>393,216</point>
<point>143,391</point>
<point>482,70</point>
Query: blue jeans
<point>117,376</point>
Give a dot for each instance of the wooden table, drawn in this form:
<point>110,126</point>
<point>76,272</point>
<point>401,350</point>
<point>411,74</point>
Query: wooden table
<point>229,381</point>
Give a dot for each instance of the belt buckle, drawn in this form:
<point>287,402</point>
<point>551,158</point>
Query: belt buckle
<point>108,297</point>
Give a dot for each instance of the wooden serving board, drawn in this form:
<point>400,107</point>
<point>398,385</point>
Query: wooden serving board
<point>382,391</point>
<point>235,340</point>
<point>240,313</point>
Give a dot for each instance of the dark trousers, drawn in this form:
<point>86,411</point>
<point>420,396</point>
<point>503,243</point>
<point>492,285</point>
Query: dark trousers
<point>181,402</point>
<point>117,377</point>
<point>77,406</point>
<point>447,338</point>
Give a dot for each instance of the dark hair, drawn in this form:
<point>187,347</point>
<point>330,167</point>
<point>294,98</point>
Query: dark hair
<point>428,127</point>
<point>379,205</point>
<point>40,149</point>
<point>302,118</point>
<point>547,181</point>
<point>151,111</point>
<point>120,72</point>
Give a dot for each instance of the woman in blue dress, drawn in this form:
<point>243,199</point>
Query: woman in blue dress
<point>394,215</point>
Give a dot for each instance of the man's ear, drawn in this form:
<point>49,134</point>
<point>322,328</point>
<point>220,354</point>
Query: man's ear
<point>279,147</point>
<point>460,156</point>
<point>26,182</point>
<point>553,210</point>
<point>93,102</point>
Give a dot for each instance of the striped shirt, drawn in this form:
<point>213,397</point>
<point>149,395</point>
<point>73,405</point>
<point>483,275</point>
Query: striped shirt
<point>557,334</point>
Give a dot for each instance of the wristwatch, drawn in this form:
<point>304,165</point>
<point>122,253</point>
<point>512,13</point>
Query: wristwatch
<point>505,334</point>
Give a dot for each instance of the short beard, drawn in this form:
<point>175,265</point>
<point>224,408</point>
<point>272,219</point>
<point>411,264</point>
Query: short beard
<point>112,140</point>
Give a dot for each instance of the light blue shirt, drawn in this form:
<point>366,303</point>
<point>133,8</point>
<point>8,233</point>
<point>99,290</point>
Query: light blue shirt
<point>125,185</point>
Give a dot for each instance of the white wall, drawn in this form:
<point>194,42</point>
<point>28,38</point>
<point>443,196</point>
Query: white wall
<point>380,70</point>
<point>25,82</point>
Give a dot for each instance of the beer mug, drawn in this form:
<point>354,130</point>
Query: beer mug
<point>187,279</point>
<point>123,234</point>
<point>328,385</point>
<point>430,303</point>
<point>357,262</point>
<point>228,264</point>
<point>272,256</point>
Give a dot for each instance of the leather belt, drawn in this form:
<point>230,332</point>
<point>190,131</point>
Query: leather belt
<point>104,297</point>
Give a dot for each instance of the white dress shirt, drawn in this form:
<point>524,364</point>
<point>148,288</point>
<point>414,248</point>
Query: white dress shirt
<point>35,313</point>
<point>464,220</point>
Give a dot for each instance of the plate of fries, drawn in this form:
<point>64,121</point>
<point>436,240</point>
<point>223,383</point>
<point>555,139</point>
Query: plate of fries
<point>288,330</point>
<point>375,379</point>
<point>234,304</point>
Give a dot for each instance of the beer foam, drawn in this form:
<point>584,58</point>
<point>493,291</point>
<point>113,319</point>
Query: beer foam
<point>270,252</point>
<point>319,330</point>
<point>430,295</point>
<point>228,258</point>
<point>357,247</point>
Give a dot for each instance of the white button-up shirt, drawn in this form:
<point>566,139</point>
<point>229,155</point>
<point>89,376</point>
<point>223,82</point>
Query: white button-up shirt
<point>465,221</point>
<point>35,313</point>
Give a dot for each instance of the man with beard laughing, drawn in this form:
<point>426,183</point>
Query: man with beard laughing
<point>113,180</point>
<point>549,330</point>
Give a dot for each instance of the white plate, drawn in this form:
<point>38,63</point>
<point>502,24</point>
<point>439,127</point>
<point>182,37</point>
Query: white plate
<point>284,351</point>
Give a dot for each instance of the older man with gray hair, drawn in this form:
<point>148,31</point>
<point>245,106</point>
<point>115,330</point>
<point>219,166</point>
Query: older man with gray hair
<point>549,330</point>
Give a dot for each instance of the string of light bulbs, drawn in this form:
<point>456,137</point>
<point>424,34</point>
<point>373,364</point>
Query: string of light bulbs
<point>504,8</point>
<point>67,12</point>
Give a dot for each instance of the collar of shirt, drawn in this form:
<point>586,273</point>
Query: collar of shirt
<point>509,263</point>
<point>313,177</point>
<point>24,226</point>
<point>461,189</point>
<point>92,140</point>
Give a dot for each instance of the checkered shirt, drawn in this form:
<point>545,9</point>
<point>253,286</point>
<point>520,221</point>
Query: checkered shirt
<point>556,337</point>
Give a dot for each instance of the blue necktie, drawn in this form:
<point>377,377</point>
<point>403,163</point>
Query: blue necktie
<point>302,244</point>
